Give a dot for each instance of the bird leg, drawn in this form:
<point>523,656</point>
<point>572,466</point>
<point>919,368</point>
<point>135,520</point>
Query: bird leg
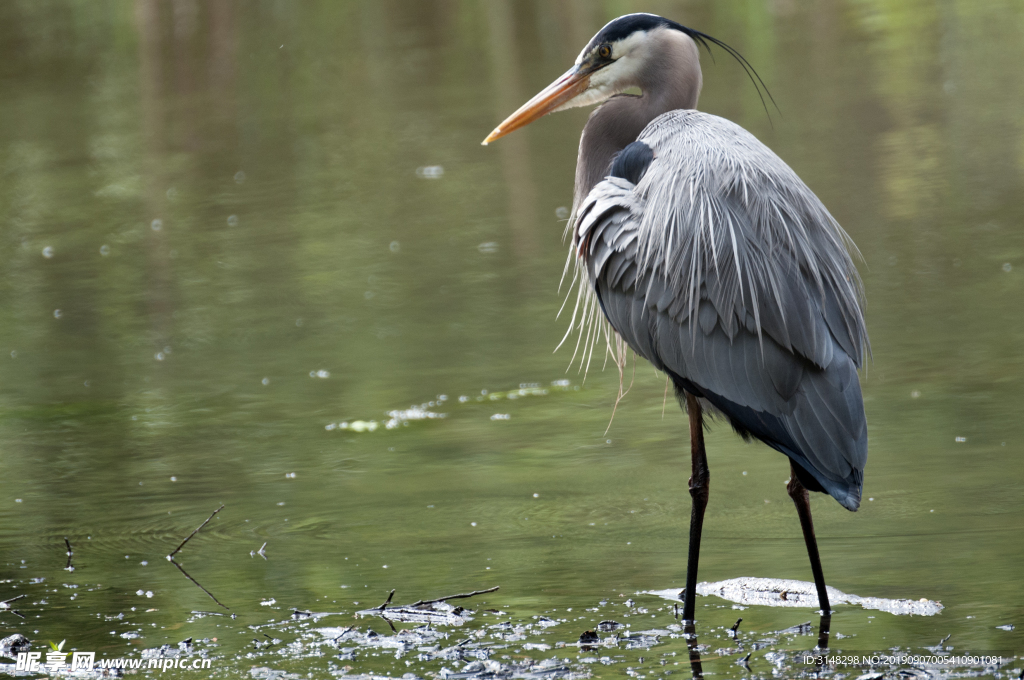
<point>801,499</point>
<point>823,630</point>
<point>690,632</point>
<point>699,484</point>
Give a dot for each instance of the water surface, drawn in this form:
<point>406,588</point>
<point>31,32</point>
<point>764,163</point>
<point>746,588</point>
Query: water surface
<point>225,229</point>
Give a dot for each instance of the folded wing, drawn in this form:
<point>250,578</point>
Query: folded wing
<point>724,270</point>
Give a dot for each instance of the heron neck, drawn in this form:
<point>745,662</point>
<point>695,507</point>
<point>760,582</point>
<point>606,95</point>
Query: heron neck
<point>616,124</point>
<point>669,78</point>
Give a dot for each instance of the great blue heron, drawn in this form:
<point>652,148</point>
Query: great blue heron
<point>714,261</point>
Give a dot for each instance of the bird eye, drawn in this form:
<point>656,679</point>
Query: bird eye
<point>604,51</point>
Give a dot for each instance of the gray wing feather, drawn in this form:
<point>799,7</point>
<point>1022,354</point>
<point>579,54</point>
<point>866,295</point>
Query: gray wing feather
<point>722,268</point>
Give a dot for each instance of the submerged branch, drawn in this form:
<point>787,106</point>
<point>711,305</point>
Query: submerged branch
<point>182,570</point>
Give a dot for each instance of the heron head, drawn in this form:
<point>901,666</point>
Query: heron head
<point>618,58</point>
<point>636,50</point>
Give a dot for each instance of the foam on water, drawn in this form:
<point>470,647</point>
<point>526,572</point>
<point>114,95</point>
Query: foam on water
<point>777,592</point>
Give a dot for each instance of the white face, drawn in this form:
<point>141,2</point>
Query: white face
<point>628,54</point>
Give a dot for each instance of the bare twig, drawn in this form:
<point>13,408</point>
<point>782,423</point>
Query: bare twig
<point>182,570</point>
<point>69,566</point>
<point>4,603</point>
<point>444,599</point>
<point>386,602</point>
<point>68,544</point>
<point>189,537</point>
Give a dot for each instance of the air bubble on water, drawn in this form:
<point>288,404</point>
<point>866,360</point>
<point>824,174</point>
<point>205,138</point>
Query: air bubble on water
<point>462,399</point>
<point>159,356</point>
<point>472,524</point>
<point>174,479</point>
<point>140,592</point>
<point>104,250</point>
<point>265,381</point>
<point>562,213</point>
<point>144,563</point>
<point>171,194</point>
<point>14,354</point>
<point>239,177</point>
<point>560,383</point>
<point>961,440</point>
<point>744,473</point>
<point>500,416</point>
<point>298,323</point>
<point>281,503</point>
<point>483,392</point>
<point>488,247</point>
<point>871,499</point>
<point>232,220</point>
<point>430,172</point>
<point>57,314</point>
<point>289,475</point>
<point>330,426</point>
<point>167,349</point>
<point>157,224</point>
<point>915,394</point>
<point>149,593</point>
<point>395,246</point>
<point>323,374</point>
<point>17,500</point>
<point>1007,267</point>
<point>48,252</point>
<point>536,495</point>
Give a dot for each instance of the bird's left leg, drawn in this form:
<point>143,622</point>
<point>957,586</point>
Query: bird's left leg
<point>699,485</point>
<point>801,499</point>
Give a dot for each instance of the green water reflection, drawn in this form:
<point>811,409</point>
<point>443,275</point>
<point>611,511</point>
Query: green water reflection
<point>203,205</point>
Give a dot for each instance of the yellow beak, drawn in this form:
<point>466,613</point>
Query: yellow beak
<point>569,85</point>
